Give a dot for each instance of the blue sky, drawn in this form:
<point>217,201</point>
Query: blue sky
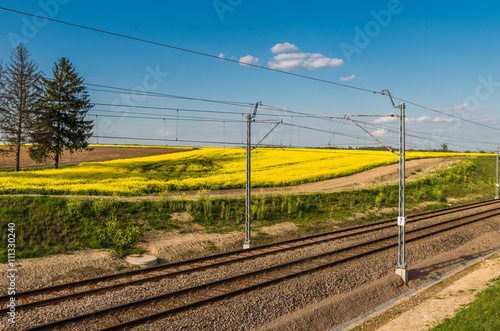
<point>443,55</point>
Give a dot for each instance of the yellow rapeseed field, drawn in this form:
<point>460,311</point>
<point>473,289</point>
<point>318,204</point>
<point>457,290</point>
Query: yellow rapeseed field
<point>206,168</point>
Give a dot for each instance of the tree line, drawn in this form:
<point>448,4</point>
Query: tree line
<point>48,113</point>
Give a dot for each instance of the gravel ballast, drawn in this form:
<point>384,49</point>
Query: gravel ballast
<point>340,293</point>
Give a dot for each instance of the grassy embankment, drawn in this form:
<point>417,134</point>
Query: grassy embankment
<point>481,314</point>
<point>51,225</point>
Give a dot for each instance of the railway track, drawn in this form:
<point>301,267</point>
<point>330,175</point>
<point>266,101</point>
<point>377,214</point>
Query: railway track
<point>69,291</point>
<point>139,312</point>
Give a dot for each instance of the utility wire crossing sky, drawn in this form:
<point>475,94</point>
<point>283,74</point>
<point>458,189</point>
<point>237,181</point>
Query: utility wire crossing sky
<point>437,58</point>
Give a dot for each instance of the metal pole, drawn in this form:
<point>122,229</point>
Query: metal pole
<point>400,205</point>
<point>248,196</point>
<point>402,154</point>
<point>402,268</point>
<point>248,241</point>
<point>496,187</point>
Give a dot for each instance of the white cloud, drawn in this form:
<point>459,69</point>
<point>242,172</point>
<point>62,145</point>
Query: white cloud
<point>288,61</point>
<point>421,119</point>
<point>386,119</point>
<point>222,56</point>
<point>285,48</point>
<point>311,61</point>
<point>348,78</point>
<point>248,59</point>
<point>463,107</point>
<point>164,132</point>
<point>380,133</point>
<point>428,119</point>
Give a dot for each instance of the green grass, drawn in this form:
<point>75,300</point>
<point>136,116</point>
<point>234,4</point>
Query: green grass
<point>48,225</point>
<point>51,225</point>
<point>482,314</point>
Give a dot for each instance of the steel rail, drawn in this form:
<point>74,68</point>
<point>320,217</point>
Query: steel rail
<point>181,306</point>
<point>96,289</point>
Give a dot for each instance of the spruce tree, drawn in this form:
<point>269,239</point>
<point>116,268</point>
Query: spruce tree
<point>60,123</point>
<point>19,92</point>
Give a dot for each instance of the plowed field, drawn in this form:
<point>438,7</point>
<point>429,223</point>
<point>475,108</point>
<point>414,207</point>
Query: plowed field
<point>93,154</point>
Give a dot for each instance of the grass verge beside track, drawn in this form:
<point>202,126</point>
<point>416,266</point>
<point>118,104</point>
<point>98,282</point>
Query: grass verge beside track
<point>481,314</point>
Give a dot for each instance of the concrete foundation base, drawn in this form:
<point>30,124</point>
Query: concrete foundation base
<point>142,260</point>
<point>403,272</point>
<point>247,246</point>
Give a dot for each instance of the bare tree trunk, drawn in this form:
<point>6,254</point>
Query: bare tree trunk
<point>56,160</point>
<point>56,157</point>
<point>18,154</point>
<point>18,147</point>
